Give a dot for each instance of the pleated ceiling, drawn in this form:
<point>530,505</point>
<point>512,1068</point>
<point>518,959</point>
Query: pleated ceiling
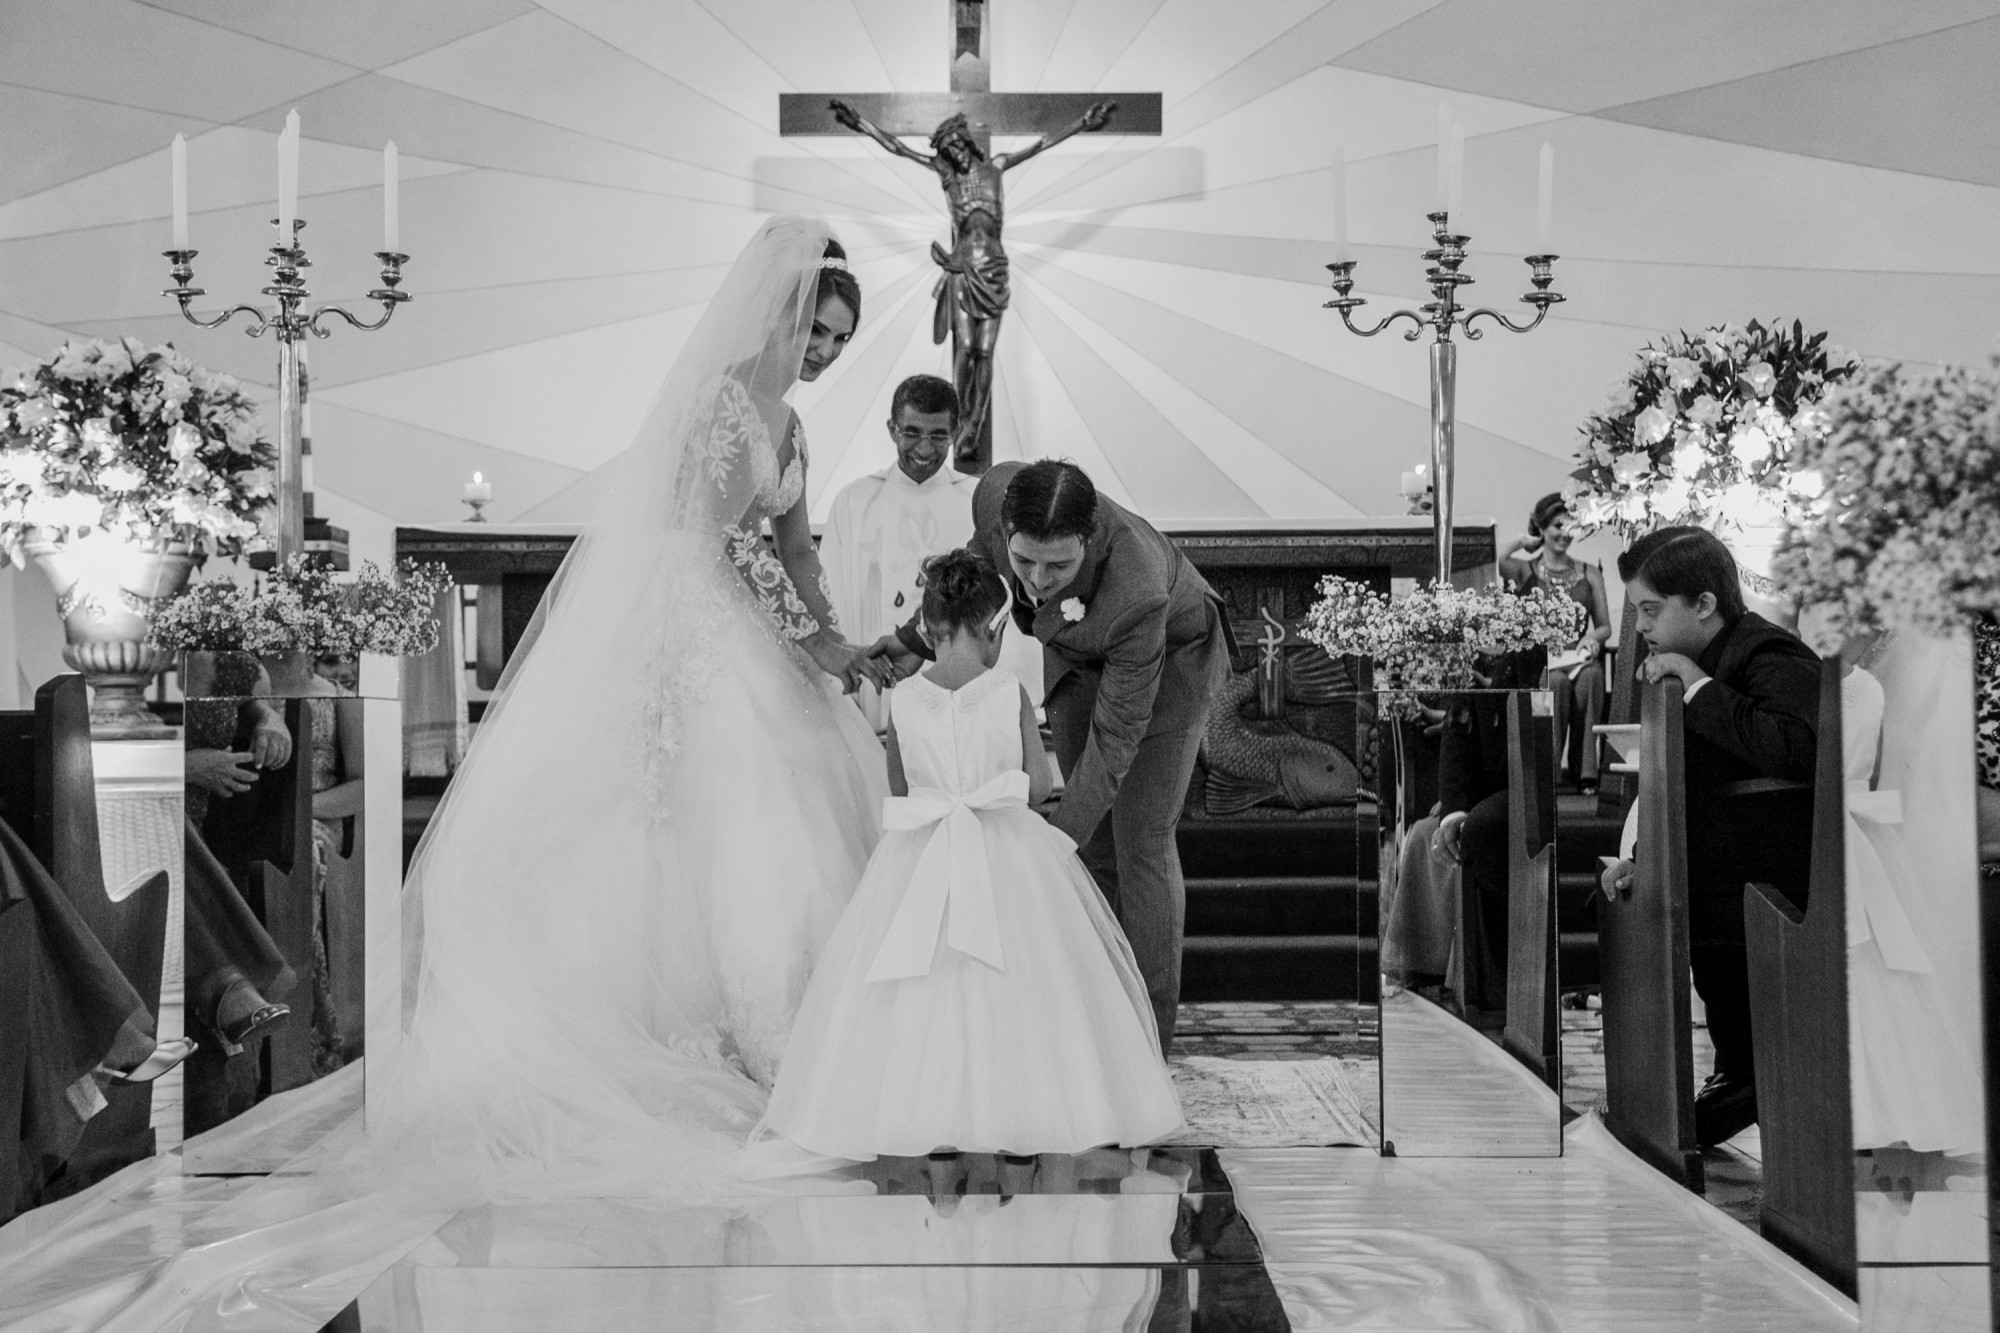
<point>578,173</point>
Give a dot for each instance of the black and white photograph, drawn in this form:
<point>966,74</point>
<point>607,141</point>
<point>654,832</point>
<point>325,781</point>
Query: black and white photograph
<point>1069,666</point>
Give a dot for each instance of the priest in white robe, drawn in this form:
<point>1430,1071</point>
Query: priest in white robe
<point>883,527</point>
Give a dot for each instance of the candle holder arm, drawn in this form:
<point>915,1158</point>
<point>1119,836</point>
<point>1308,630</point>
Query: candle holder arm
<point>1541,269</point>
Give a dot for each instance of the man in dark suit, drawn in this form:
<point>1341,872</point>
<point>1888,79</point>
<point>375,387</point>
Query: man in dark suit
<point>1752,721</point>
<point>1135,647</point>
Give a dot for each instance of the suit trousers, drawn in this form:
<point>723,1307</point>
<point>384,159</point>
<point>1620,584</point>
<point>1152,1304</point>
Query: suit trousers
<point>1133,855</point>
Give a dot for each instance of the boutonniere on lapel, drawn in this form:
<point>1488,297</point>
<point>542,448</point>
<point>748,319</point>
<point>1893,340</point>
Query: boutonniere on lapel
<point>1072,609</point>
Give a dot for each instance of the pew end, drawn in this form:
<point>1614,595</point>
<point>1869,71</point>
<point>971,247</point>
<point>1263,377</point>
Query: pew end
<point>1644,953</point>
<point>1797,954</point>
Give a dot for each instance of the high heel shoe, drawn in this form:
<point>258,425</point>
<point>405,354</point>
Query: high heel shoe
<point>164,1057</point>
<point>253,1013</point>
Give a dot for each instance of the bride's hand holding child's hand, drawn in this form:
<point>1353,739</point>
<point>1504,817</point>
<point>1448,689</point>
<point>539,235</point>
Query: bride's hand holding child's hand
<point>845,662</point>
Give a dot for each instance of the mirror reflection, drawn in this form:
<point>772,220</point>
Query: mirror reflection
<point>274,852</point>
<point>1469,861</point>
<point>1916,719</point>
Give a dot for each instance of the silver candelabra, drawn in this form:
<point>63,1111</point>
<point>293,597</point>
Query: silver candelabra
<point>1443,313</point>
<point>290,324</point>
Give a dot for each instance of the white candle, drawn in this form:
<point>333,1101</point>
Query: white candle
<point>1340,205</point>
<point>1545,200</point>
<point>1455,194</point>
<point>180,156</point>
<point>1444,156</point>
<point>390,233</point>
<point>288,177</point>
<point>478,488</point>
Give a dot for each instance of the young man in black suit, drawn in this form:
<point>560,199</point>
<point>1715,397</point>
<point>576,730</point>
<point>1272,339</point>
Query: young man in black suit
<point>1751,715</point>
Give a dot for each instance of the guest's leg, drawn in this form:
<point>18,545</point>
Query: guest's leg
<point>1069,709</point>
<point>1589,704</point>
<point>1722,976</point>
<point>1152,897</point>
<point>1482,844</point>
<point>1562,688</point>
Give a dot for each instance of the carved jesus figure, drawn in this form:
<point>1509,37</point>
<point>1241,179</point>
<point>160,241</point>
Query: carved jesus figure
<point>972,292</point>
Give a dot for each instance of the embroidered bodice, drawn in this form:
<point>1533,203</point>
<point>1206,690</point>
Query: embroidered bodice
<point>958,740</point>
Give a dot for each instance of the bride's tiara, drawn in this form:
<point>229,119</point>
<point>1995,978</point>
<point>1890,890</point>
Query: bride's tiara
<point>838,265</point>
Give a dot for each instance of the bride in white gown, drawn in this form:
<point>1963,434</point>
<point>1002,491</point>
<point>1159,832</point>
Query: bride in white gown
<point>667,807</point>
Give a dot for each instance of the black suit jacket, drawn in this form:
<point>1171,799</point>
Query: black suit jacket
<point>1143,622</point>
<point>1753,727</point>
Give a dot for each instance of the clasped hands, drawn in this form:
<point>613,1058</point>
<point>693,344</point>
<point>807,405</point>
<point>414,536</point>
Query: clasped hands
<point>848,663</point>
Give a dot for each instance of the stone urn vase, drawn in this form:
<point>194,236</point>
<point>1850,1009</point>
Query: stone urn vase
<point>106,591</point>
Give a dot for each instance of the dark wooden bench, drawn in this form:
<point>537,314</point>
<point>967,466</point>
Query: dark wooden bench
<point>46,770</point>
<point>1534,1023</point>
<point>1798,1008</point>
<point>1643,961</point>
<point>17,943</point>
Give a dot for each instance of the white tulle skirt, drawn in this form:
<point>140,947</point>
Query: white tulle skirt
<point>626,893</point>
<point>1057,1052</point>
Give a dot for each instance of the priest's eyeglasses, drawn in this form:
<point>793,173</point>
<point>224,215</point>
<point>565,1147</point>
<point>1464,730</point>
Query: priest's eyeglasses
<point>911,435</point>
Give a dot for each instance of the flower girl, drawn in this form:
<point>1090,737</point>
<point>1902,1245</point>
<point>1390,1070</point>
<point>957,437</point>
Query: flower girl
<point>977,994</point>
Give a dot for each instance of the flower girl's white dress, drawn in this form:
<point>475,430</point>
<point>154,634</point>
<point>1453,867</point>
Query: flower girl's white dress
<point>977,994</point>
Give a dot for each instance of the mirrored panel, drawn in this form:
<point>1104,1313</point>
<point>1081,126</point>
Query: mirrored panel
<point>277,853</point>
<point>1914,967</point>
<point>1469,861</point>
<point>1278,1029</point>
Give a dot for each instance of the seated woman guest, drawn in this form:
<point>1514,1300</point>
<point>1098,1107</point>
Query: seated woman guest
<point>1752,725</point>
<point>1542,560</point>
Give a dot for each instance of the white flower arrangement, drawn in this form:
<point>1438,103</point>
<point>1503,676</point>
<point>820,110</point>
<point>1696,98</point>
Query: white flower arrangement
<point>118,437</point>
<point>1903,529</point>
<point>302,608</point>
<point>1704,430</point>
<point>1428,640</point>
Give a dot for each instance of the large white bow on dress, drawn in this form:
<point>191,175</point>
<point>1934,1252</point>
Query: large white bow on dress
<point>953,870</point>
<point>1874,902</point>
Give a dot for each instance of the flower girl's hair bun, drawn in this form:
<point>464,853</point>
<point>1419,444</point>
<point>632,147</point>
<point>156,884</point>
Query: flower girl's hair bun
<point>961,588</point>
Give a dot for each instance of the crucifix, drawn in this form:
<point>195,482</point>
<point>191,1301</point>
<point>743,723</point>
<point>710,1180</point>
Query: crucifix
<point>972,291</point>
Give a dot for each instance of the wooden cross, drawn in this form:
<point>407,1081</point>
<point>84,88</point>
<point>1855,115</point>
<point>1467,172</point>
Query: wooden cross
<point>987,113</point>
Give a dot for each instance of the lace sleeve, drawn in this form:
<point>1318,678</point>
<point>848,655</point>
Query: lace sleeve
<point>764,574</point>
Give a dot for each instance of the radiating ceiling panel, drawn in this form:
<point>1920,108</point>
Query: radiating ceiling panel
<point>1048,422</point>
<point>1188,42</point>
<point>912,39</point>
<point>54,138</point>
<point>366,34</point>
<point>1275,485</point>
<point>576,399</point>
<point>226,167</point>
<point>804,43</point>
<point>1023,41</point>
<point>1095,34</point>
<point>1164,471</point>
<point>415,475</point>
<point>1928,104</point>
<point>1611,52</point>
<point>137,56</point>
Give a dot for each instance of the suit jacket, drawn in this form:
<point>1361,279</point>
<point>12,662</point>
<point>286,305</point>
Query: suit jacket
<point>1151,632</point>
<point>1756,719</point>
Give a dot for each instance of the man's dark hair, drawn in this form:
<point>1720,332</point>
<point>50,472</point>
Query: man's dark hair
<point>1050,498</point>
<point>1686,562</point>
<point>925,394</point>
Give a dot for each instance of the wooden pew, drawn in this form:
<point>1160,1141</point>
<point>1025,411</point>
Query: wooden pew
<point>1617,791</point>
<point>1533,1031</point>
<point>46,759</point>
<point>1798,1007</point>
<point>1643,961</point>
<point>17,942</point>
<point>346,938</point>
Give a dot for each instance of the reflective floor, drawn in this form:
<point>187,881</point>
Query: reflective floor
<point>1111,1240</point>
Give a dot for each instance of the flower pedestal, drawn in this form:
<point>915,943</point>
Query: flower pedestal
<point>106,591</point>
